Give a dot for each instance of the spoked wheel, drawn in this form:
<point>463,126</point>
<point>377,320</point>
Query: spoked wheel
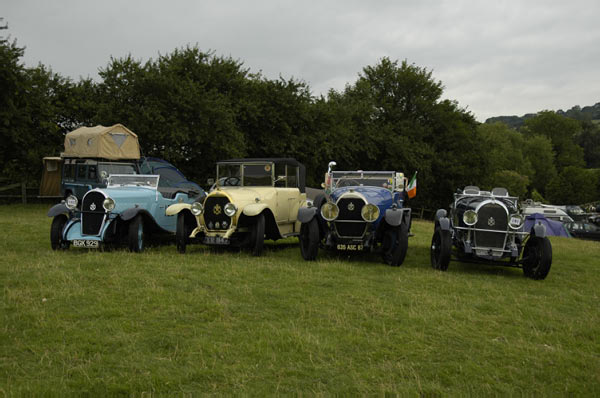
<point>257,235</point>
<point>56,233</point>
<point>182,235</point>
<point>395,245</point>
<point>309,239</point>
<point>136,236</point>
<point>538,258</point>
<point>441,244</point>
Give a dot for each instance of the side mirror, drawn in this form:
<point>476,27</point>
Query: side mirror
<point>210,181</point>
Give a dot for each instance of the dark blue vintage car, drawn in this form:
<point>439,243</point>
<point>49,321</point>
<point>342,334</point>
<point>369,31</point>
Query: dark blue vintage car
<point>360,211</point>
<point>488,227</point>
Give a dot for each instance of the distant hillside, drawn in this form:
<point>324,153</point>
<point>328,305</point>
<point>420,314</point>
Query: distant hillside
<point>587,113</point>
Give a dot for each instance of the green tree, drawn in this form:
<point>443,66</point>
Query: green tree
<point>573,185</point>
<point>562,132</point>
<point>538,151</point>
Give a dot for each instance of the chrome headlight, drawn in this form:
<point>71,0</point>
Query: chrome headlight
<point>369,212</point>
<point>197,208</point>
<point>330,211</point>
<point>71,202</point>
<point>108,204</point>
<point>516,221</point>
<point>470,217</point>
<point>229,209</point>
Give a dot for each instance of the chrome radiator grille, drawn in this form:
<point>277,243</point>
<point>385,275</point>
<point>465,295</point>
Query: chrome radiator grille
<point>492,217</point>
<point>214,213</point>
<point>92,213</point>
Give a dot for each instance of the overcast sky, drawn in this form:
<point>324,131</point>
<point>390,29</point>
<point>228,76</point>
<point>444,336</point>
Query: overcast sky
<point>493,57</point>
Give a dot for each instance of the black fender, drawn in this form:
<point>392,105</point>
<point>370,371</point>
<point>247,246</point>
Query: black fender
<point>57,209</point>
<point>305,214</point>
<point>539,230</point>
<point>442,220</point>
<point>131,213</point>
<point>395,216</point>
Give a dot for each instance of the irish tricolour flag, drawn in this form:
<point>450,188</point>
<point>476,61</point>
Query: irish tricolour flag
<point>411,189</point>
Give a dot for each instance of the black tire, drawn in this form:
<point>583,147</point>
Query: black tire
<point>56,230</point>
<point>395,245</point>
<point>441,245</point>
<point>136,236</point>
<point>538,258</point>
<point>309,239</point>
<point>257,235</point>
<point>182,234</point>
<point>318,202</point>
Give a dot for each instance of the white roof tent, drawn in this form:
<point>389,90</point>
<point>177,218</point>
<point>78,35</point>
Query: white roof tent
<point>116,142</point>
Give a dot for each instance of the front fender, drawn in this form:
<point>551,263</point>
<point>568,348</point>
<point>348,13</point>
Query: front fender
<point>177,207</point>
<point>55,210</point>
<point>539,230</point>
<point>394,217</point>
<point>305,214</point>
<point>444,223</point>
<point>254,209</point>
<point>130,213</point>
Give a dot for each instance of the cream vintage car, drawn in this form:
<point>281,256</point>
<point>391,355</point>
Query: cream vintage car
<point>252,200</point>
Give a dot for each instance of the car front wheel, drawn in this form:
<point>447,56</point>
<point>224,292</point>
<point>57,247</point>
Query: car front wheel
<point>56,233</point>
<point>538,258</point>
<point>395,245</point>
<point>441,244</point>
<point>258,235</point>
<point>309,239</point>
<point>183,233</point>
<point>136,236</point>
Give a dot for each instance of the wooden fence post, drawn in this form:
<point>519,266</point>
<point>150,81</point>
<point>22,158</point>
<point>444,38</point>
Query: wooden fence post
<point>24,193</point>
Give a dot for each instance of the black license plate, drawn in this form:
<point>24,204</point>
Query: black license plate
<point>351,247</point>
<point>87,243</point>
<point>215,240</point>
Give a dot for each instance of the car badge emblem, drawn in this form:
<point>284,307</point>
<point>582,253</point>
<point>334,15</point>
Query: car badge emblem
<point>93,207</point>
<point>217,210</point>
<point>350,206</point>
<point>491,221</point>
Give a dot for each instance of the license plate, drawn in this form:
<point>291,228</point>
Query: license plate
<point>87,243</point>
<point>215,240</point>
<point>350,247</point>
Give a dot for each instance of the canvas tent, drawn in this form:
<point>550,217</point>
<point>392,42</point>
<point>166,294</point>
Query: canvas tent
<point>553,228</point>
<point>115,143</point>
<point>50,185</point>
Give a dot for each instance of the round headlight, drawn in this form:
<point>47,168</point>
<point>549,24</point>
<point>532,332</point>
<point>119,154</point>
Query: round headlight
<point>516,221</point>
<point>470,217</point>
<point>71,202</point>
<point>330,211</point>
<point>108,204</point>
<point>229,209</point>
<point>197,208</point>
<point>369,212</point>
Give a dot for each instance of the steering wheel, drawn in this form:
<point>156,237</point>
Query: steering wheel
<point>231,181</point>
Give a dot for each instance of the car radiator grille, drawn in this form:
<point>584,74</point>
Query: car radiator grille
<point>349,222</point>
<point>92,213</point>
<point>214,213</point>
<point>491,216</point>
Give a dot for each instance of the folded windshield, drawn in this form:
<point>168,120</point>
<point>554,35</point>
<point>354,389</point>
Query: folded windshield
<point>384,179</point>
<point>139,180</point>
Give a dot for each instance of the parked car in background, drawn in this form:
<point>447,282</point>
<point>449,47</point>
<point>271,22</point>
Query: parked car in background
<point>487,227</point>
<point>130,209</point>
<point>252,200</point>
<point>360,211</point>
<point>583,230</point>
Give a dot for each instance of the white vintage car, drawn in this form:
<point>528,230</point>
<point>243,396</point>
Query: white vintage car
<point>253,200</point>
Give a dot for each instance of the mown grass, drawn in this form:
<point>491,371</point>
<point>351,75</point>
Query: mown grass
<point>225,322</point>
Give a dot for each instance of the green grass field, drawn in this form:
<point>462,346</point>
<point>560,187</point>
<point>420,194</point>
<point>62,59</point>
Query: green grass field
<point>225,322</point>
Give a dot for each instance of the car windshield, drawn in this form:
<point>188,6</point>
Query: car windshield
<point>107,169</point>
<point>138,180</point>
<point>383,179</point>
<point>248,175</point>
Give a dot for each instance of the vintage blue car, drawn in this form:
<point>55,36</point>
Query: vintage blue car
<point>128,210</point>
<point>360,211</point>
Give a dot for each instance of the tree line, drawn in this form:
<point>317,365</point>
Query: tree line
<point>194,108</point>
